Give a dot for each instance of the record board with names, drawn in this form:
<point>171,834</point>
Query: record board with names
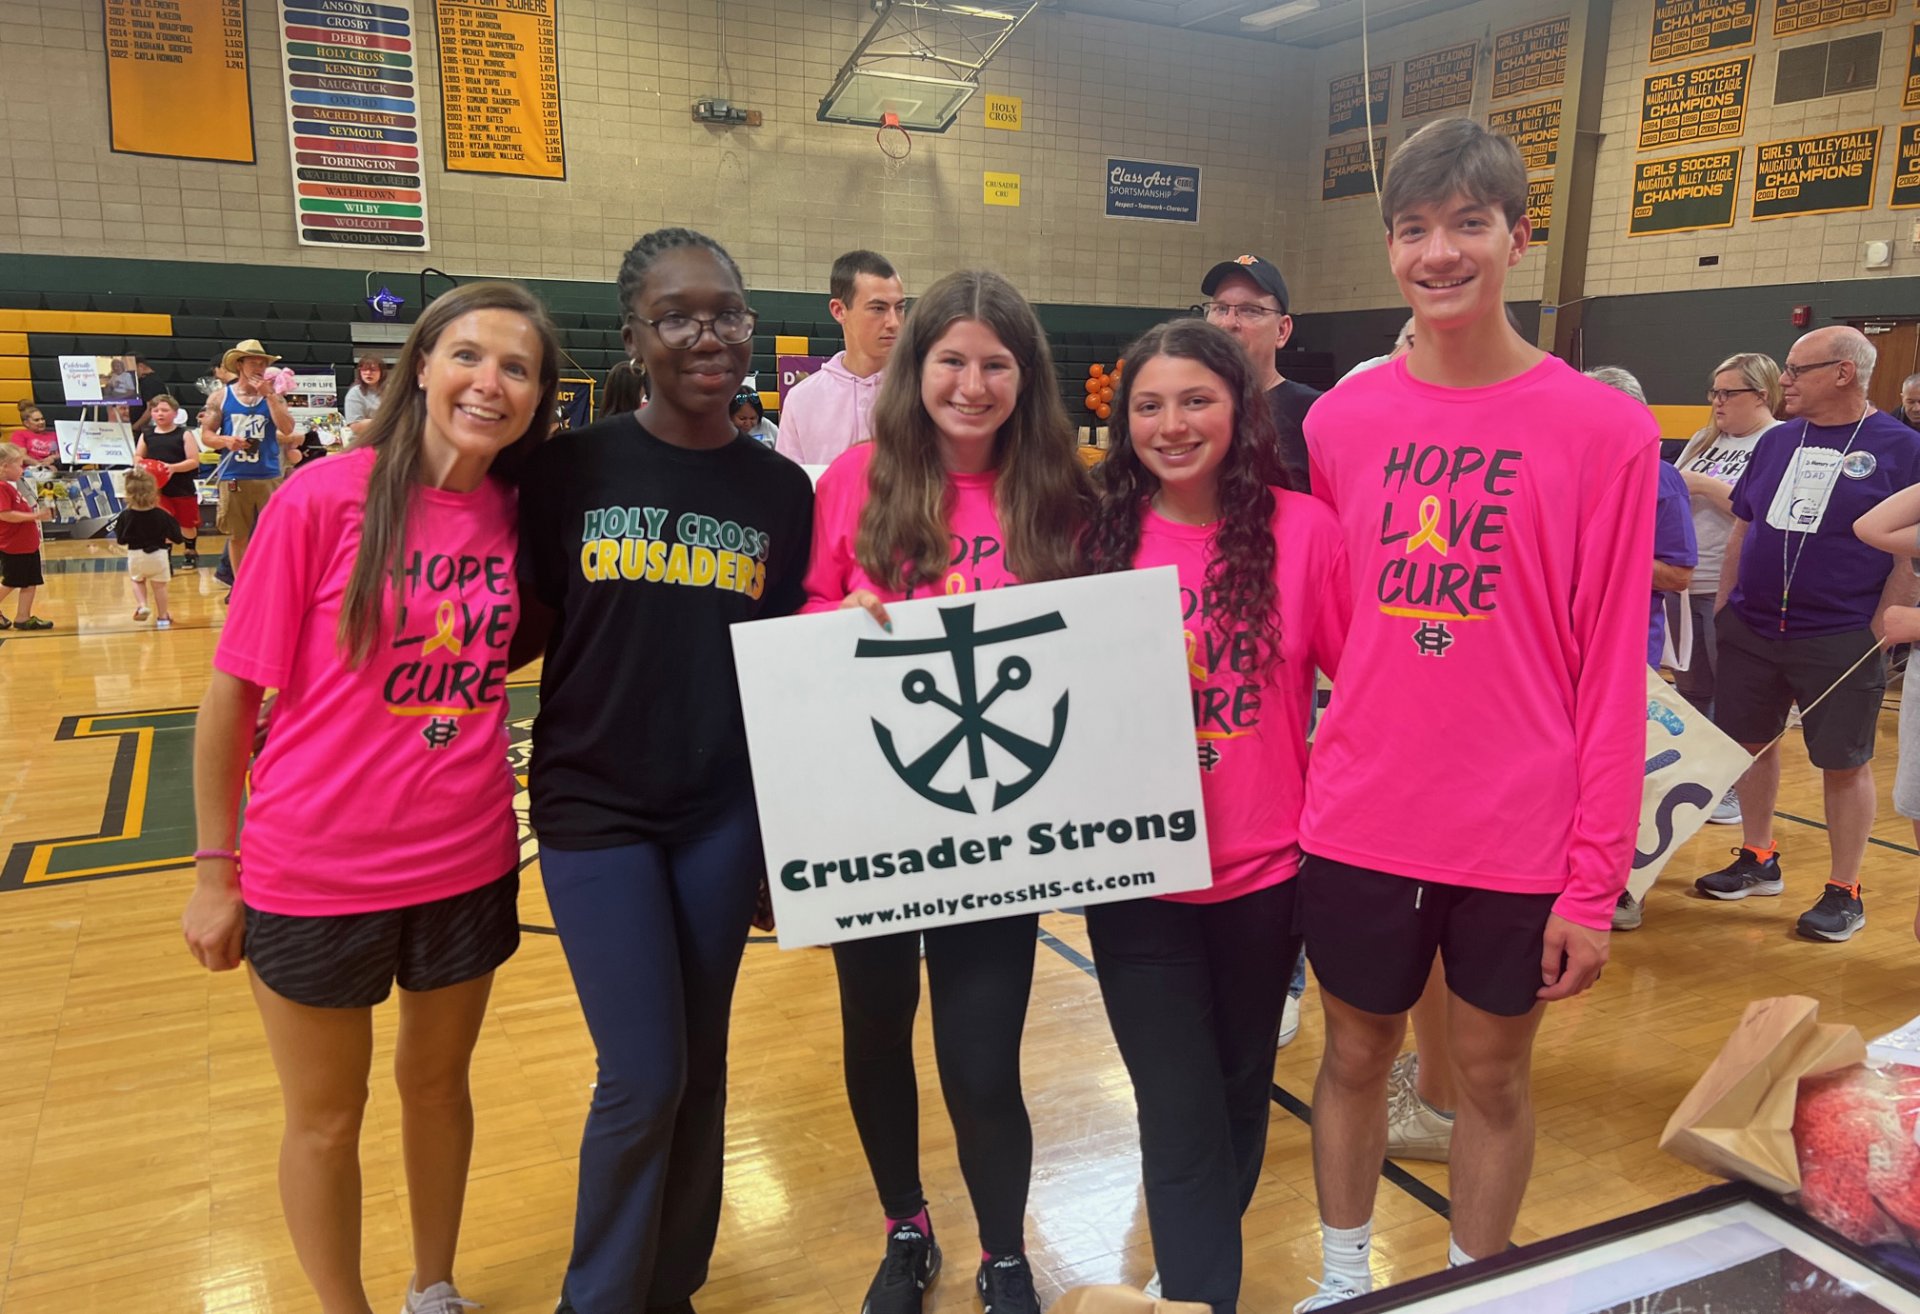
<point>500,87</point>
<point>157,47</point>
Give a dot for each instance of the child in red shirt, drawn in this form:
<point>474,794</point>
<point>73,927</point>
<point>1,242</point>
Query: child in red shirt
<point>20,522</point>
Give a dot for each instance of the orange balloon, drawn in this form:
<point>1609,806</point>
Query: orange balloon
<point>1106,394</point>
<point>1104,411</point>
<point>1093,384</point>
<point>1093,402</point>
<point>1096,370</point>
<point>1118,365</point>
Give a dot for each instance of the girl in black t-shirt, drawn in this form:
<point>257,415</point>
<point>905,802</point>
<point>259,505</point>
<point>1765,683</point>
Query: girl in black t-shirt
<point>645,536</point>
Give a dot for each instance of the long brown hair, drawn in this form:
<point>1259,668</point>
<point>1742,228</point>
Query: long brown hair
<point>396,432</point>
<point>1240,590</point>
<point>1042,495</point>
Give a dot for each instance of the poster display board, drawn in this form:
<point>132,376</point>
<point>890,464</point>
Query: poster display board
<point>1167,193</point>
<point>1534,128</point>
<point>1438,80</point>
<point>94,442</point>
<point>1344,170</point>
<point>1701,27</point>
<point>1702,103</point>
<point>314,404</point>
<point>1530,58</point>
<point>1685,193</point>
<point>959,767</point>
<point>1792,17</point>
<point>500,87</point>
<point>1827,173</point>
<point>156,47</point>
<point>353,122</point>
<point>1906,168</point>
<point>574,401</point>
<point>1346,111</point>
<point>99,381</point>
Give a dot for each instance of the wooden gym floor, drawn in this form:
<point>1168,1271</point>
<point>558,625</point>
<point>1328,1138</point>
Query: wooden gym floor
<point>141,1116</point>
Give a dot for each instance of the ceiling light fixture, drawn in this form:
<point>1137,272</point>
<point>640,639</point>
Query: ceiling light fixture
<point>1279,14</point>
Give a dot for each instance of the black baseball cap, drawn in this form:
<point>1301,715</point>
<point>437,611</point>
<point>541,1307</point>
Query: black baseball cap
<point>1264,274</point>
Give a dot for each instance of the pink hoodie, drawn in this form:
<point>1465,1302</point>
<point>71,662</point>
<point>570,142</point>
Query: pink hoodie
<point>826,413</point>
<point>1488,726</point>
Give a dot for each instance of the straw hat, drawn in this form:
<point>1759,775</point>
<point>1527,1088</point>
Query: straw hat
<point>248,347</point>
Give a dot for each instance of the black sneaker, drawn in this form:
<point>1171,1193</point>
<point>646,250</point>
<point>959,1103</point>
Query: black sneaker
<point>191,561</point>
<point>1747,874</point>
<point>1837,915</point>
<point>1006,1286</point>
<point>911,1265</point>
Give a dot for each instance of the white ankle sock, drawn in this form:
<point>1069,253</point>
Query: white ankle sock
<point>1344,1255</point>
<point>1455,1255</point>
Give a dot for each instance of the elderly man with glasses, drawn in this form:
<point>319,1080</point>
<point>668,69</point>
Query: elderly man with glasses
<point>1800,610</point>
<point>1248,298</point>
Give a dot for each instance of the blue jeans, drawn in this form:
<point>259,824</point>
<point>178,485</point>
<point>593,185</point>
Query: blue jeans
<point>653,935</point>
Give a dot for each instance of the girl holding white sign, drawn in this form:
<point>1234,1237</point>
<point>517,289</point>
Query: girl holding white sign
<point>1194,983</point>
<point>970,482</point>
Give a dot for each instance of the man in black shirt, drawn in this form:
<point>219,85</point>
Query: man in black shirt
<point>1248,298</point>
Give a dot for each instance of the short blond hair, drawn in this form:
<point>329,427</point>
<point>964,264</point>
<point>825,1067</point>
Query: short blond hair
<point>143,490</point>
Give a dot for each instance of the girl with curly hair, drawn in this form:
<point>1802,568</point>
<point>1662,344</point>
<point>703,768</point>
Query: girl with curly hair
<point>1194,983</point>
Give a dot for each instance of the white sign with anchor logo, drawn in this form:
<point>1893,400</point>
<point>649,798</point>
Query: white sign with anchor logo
<point>1002,752</point>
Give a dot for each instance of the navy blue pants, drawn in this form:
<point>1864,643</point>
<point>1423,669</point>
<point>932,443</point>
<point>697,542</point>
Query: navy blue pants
<point>653,935</point>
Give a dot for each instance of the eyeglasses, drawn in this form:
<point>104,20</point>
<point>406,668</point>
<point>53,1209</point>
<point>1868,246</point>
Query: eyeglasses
<point>1795,371</point>
<point>1221,311</point>
<point>730,327</point>
<point>1728,394</point>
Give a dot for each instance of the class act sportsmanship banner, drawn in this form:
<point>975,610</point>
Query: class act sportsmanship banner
<point>500,87</point>
<point>1702,27</point>
<point>1701,103</point>
<point>353,115</point>
<point>177,79</point>
<point>1824,174</point>
<point>1530,58</point>
<point>1139,189</point>
<point>1000,752</point>
<point>1346,110</point>
<point>1438,80</point>
<point>1685,193</point>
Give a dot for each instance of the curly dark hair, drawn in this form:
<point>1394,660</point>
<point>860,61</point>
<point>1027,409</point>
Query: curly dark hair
<point>1240,592</point>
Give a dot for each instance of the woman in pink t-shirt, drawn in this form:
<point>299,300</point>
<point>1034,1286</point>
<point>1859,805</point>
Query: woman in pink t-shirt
<point>971,482</point>
<point>1194,983</point>
<point>35,437</point>
<point>380,600</point>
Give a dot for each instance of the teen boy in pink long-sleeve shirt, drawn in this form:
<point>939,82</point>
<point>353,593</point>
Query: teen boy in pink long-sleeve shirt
<point>1475,788</point>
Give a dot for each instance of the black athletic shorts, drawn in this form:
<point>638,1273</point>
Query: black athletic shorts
<point>352,961</point>
<point>1371,938</point>
<point>20,570</point>
<point>1760,678</point>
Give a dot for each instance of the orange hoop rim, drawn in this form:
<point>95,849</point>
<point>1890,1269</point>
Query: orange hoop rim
<point>880,139</point>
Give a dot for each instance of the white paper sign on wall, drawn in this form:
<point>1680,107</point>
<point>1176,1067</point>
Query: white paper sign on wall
<point>999,752</point>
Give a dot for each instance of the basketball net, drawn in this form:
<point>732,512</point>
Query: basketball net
<point>894,142</point>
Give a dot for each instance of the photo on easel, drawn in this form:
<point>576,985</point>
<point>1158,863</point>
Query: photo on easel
<point>99,380</point>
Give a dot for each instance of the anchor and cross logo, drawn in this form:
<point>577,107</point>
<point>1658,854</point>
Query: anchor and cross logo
<point>972,730</point>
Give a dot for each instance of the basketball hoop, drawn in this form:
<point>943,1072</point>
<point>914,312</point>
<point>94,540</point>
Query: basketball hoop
<point>895,142</point>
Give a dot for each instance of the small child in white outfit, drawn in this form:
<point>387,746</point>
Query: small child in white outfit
<point>144,530</point>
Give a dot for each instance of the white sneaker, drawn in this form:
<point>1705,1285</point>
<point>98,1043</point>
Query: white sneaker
<point>1415,1129</point>
<point>440,1298</point>
<point>1289,1022</point>
<point>1332,1292</point>
<point>1152,1290</point>
<point>1728,813</point>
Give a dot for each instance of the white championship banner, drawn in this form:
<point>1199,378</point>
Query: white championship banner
<point>999,752</point>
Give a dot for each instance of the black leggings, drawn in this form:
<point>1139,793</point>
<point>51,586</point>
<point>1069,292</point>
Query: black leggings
<point>1194,992</point>
<point>980,975</point>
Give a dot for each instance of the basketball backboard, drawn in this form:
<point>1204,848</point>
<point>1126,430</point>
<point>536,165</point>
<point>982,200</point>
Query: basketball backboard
<point>866,96</point>
<point>887,72</point>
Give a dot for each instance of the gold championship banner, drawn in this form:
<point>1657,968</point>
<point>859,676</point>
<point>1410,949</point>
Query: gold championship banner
<point>500,87</point>
<point>177,79</point>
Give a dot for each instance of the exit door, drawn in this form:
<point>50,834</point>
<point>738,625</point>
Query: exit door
<point>1898,342</point>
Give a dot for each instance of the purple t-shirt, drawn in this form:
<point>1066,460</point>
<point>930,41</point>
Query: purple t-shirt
<point>1673,543</point>
<point>1800,495</point>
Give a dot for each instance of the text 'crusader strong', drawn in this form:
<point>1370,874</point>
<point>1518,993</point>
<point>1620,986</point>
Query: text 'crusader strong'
<point>1001,752</point>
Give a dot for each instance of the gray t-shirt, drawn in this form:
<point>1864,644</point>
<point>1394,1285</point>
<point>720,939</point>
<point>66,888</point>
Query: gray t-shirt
<point>1723,457</point>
